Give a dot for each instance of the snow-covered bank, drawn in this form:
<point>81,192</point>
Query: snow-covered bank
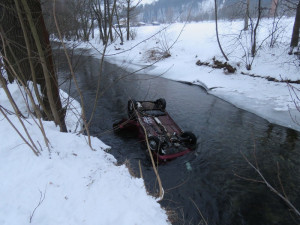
<point>268,99</point>
<point>70,184</point>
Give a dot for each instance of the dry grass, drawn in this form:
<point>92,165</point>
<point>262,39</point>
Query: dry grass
<point>155,54</point>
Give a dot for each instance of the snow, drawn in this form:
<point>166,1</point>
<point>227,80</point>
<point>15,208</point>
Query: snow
<point>73,183</point>
<point>144,2</point>
<point>197,41</point>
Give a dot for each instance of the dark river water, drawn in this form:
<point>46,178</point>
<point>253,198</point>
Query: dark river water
<point>215,181</point>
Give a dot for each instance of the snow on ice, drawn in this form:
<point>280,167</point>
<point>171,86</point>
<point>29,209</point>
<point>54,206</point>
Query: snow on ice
<point>197,41</point>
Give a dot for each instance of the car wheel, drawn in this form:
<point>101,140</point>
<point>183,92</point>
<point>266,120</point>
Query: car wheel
<point>154,143</point>
<point>161,103</point>
<point>132,105</point>
<point>189,139</point>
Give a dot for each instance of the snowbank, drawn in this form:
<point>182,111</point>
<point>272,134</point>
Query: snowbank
<point>68,183</point>
<point>268,99</point>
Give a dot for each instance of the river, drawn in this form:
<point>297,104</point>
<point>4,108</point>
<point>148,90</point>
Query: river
<point>214,183</point>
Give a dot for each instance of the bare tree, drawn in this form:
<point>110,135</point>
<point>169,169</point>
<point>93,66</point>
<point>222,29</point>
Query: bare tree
<point>118,28</point>
<point>68,17</point>
<point>128,18</point>
<point>295,34</point>
<point>254,28</point>
<point>217,32</point>
<point>27,54</point>
<point>104,12</point>
<point>247,15</point>
<point>273,12</point>
<point>274,7</point>
<point>130,8</point>
<point>97,8</point>
<point>86,18</point>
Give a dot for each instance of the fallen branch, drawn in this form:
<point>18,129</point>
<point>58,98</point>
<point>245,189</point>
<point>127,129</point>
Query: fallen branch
<point>218,65</point>
<point>269,78</point>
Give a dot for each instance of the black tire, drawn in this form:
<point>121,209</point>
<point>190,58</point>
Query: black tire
<point>161,103</point>
<point>154,143</point>
<point>189,139</point>
<point>132,105</point>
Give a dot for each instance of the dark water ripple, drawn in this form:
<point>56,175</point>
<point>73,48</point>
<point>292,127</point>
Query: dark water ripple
<point>211,176</point>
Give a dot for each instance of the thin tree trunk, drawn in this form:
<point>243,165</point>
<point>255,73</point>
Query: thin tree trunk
<point>9,96</point>
<point>99,17</point>
<point>128,15</point>
<point>100,24</point>
<point>46,61</point>
<point>109,21</point>
<point>216,20</point>
<point>119,27</point>
<point>73,76</point>
<point>253,47</point>
<point>274,6</point>
<point>29,47</point>
<point>105,31</point>
<point>32,145</point>
<point>28,53</point>
<point>11,32</point>
<point>246,20</point>
<point>91,29</point>
<point>295,35</point>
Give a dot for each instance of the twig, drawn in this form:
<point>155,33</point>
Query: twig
<point>248,179</point>
<point>179,185</point>
<point>271,187</point>
<point>161,190</point>
<point>73,76</point>
<point>7,110</point>
<point>199,211</point>
<point>33,148</point>
<point>279,179</point>
<point>42,198</point>
<point>140,167</point>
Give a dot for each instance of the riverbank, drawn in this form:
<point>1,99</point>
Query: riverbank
<point>68,183</point>
<point>252,90</point>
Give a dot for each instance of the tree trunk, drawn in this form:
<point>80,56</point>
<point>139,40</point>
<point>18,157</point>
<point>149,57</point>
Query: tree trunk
<point>119,27</point>
<point>105,31</point>
<point>217,32</point>
<point>295,35</point>
<point>254,34</point>
<point>274,6</point>
<point>273,13</point>
<point>246,19</point>
<point>127,20</point>
<point>10,32</point>
<point>14,49</point>
<point>109,21</point>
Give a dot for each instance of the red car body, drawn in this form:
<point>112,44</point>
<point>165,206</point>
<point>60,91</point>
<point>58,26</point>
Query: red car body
<point>150,119</point>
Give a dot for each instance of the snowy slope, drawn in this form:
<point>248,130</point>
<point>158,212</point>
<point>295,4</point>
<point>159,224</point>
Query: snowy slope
<point>68,183</point>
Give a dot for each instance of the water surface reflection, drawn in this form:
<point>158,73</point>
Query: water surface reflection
<point>215,177</point>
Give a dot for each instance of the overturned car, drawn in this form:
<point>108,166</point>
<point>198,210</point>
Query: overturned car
<point>151,122</point>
